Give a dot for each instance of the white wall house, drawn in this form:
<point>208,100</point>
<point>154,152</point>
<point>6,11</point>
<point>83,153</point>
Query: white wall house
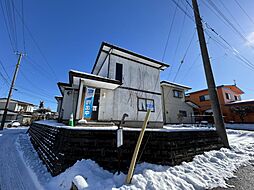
<point>175,109</point>
<point>125,82</point>
<point>16,108</point>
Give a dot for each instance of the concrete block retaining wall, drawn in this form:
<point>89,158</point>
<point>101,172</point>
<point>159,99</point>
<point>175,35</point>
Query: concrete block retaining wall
<point>60,148</point>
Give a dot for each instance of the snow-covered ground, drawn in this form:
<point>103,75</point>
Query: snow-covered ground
<point>205,171</point>
<point>208,170</point>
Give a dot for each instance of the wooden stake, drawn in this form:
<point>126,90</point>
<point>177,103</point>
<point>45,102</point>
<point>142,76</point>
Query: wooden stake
<point>135,154</point>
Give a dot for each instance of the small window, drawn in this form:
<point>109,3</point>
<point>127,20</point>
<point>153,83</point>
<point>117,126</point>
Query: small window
<point>204,98</point>
<point>145,104</point>
<point>228,96</point>
<point>119,72</point>
<point>183,113</point>
<point>177,94</point>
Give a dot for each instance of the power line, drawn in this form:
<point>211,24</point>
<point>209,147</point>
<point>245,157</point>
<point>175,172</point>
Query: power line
<point>182,9</point>
<point>3,77</point>
<point>244,11</point>
<point>180,35</point>
<point>232,16</point>
<point>40,69</point>
<point>229,22</point>
<point>191,66</point>
<point>233,50</point>
<point>23,26</point>
<point>35,96</point>
<point>37,45</point>
<point>1,63</point>
<point>7,28</point>
<point>46,93</point>
<point>169,32</point>
<point>182,61</point>
<point>14,23</point>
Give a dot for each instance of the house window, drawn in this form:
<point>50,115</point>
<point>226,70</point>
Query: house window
<point>183,113</point>
<point>177,94</point>
<point>145,104</point>
<point>204,98</point>
<point>237,98</point>
<point>141,104</point>
<point>119,72</point>
<point>228,96</point>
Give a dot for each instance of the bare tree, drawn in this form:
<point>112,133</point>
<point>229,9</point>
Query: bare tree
<point>242,111</point>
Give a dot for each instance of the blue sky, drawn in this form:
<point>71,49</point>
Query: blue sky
<point>69,36</point>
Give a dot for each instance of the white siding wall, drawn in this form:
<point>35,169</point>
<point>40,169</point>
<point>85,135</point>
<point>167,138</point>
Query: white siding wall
<point>12,106</point>
<point>136,75</point>
<point>59,102</point>
<point>120,101</point>
<point>173,105</point>
<point>69,103</point>
<point>104,70</point>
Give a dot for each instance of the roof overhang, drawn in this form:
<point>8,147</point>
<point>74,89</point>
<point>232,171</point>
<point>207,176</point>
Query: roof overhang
<point>192,104</point>
<point>58,98</point>
<point>172,84</point>
<point>8,112</point>
<point>107,49</point>
<point>62,86</point>
<point>93,80</point>
<point>241,102</point>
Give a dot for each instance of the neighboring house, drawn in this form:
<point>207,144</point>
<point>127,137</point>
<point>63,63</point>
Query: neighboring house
<point>121,82</point>
<point>175,109</point>
<point>228,95</point>
<point>17,110</point>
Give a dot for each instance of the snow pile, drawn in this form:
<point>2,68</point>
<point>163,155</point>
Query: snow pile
<point>206,171</point>
<point>185,127</point>
<point>80,182</point>
<point>53,123</point>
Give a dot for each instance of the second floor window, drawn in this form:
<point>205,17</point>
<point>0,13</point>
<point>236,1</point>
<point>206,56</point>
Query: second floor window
<point>177,94</point>
<point>204,98</point>
<point>119,72</point>
<point>237,98</point>
<point>228,96</point>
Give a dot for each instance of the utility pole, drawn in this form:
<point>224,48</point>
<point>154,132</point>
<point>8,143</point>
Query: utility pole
<point>218,119</point>
<point>10,91</point>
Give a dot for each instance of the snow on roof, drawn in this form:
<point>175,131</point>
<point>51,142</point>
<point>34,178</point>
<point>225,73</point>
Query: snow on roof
<point>242,101</point>
<point>174,84</point>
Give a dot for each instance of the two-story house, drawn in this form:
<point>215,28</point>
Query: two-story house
<point>17,110</point>
<point>175,108</point>
<point>226,94</point>
<point>121,82</point>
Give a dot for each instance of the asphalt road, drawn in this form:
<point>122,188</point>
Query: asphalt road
<point>243,181</point>
<point>13,172</point>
